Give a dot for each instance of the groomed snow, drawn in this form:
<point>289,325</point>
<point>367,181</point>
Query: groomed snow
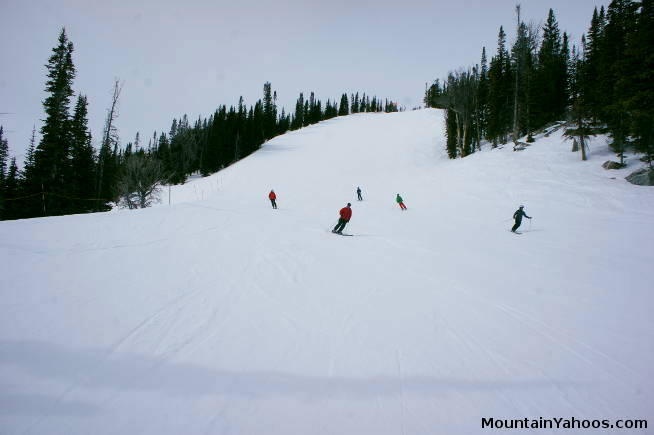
<point>219,315</point>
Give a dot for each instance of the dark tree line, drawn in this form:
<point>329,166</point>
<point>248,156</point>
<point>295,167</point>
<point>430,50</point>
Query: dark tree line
<point>63,173</point>
<point>603,85</point>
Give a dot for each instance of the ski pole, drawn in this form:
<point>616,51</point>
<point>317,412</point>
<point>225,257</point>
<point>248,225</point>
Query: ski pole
<point>530,223</point>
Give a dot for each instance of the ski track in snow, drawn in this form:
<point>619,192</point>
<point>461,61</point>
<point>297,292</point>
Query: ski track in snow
<point>218,315</point>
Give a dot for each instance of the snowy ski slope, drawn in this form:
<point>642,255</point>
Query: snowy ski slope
<point>219,315</point>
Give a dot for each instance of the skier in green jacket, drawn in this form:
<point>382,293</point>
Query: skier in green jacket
<point>400,201</point>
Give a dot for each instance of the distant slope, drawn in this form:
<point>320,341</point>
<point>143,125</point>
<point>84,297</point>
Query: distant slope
<point>220,315</point>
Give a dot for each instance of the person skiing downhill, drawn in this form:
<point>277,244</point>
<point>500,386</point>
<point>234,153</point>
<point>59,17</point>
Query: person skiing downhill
<point>519,213</point>
<point>400,201</point>
<point>346,215</point>
<point>272,197</point>
<point>359,194</point>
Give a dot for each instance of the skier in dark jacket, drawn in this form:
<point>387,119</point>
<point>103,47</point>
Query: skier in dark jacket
<point>273,199</point>
<point>359,194</point>
<point>346,215</point>
<point>519,213</point>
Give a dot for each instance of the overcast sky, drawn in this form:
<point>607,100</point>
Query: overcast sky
<point>179,57</point>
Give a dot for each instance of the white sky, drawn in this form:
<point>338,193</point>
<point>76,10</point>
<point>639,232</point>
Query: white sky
<point>179,57</point>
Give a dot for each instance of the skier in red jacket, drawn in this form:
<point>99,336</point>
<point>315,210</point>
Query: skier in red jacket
<point>272,197</point>
<point>346,215</point>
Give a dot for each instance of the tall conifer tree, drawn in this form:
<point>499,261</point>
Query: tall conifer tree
<point>344,106</point>
<point>52,158</point>
<point>82,159</point>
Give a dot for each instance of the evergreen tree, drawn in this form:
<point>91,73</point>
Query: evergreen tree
<point>210,159</point>
<point>433,95</point>
<point>475,120</point>
<point>355,103</point>
<point>460,95</point>
<point>269,112</point>
<point>635,84</point>
<point>257,128</point>
<point>30,155</point>
<point>306,120</point>
<point>590,71</point>
<point>579,110</point>
<point>173,129</point>
<point>315,109</point>
<point>11,190</point>
<point>344,106</point>
<point>298,118</point>
<point>482,95</point>
<point>137,142</point>
<point>218,139</point>
<point>450,133</point>
<point>284,123</point>
<point>330,111</point>
<point>28,183</point>
<point>313,117</point>
<point>522,69</point>
<point>164,155</point>
<point>551,76</point>
<point>621,22</point>
<point>82,182</point>
<point>105,177</point>
<point>52,157</point>
<point>498,93</point>
<point>184,150</point>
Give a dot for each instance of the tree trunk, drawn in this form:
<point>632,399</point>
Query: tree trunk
<point>582,143</point>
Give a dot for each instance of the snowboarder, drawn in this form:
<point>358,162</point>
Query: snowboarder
<point>359,194</point>
<point>346,214</point>
<point>519,213</point>
<point>400,201</point>
<point>272,197</point>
